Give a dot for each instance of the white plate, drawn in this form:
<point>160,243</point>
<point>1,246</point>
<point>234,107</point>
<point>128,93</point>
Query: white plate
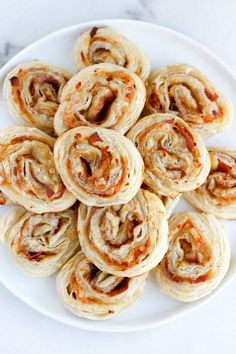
<point>164,47</point>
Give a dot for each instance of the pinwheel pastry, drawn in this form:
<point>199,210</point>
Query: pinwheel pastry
<point>99,166</point>
<point>105,45</point>
<point>185,91</point>
<point>104,95</point>
<point>218,194</point>
<point>175,156</point>
<point>39,243</point>
<point>197,259</point>
<point>127,239</point>
<point>91,293</point>
<point>32,92</point>
<point>27,171</point>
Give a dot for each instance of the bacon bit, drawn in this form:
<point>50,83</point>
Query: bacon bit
<point>222,167</point>
<point>49,191</point>
<point>21,139</point>
<point>2,200</point>
<point>41,79</point>
<point>170,121</point>
<point>110,77</point>
<point>186,225</point>
<point>78,136</point>
<point>93,31</point>
<point>154,101</point>
<point>78,85</point>
<point>211,96</point>
<point>129,96</point>
<point>208,118</point>
<point>15,171</point>
<point>182,172</point>
<point>120,288</point>
<point>14,81</point>
<point>83,57</point>
<point>187,137</point>
<point>37,256</point>
<point>164,152</point>
<point>99,111</point>
<point>94,138</point>
<point>28,156</point>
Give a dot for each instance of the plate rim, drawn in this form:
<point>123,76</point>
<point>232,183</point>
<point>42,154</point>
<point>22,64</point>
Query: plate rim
<point>103,326</point>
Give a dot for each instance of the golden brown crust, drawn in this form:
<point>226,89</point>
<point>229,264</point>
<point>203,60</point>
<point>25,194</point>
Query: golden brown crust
<point>99,166</point>
<point>174,155</point>
<point>91,293</point>
<point>39,244</point>
<point>184,90</point>
<point>127,239</point>
<point>105,45</point>
<point>197,259</point>
<point>27,171</point>
<point>103,95</point>
<point>218,194</point>
<point>32,92</point>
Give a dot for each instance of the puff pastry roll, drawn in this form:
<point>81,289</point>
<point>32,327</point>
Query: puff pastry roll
<point>174,155</point>
<point>39,243</point>
<point>218,194</point>
<point>104,95</point>
<point>105,45</point>
<point>91,293</point>
<point>127,239</point>
<point>197,259</point>
<point>184,90</point>
<point>27,171</point>
<point>32,92</point>
<point>99,166</point>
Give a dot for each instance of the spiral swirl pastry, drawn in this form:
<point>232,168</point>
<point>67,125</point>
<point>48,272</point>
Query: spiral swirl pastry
<point>175,157</point>
<point>218,194</point>
<point>27,171</point>
<point>39,243</point>
<point>104,95</point>
<point>105,45</point>
<point>32,92</point>
<point>91,293</point>
<point>197,259</point>
<point>127,239</point>
<point>185,91</point>
<point>99,166</point>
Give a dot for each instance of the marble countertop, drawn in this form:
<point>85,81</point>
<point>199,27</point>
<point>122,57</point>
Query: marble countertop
<point>213,326</point>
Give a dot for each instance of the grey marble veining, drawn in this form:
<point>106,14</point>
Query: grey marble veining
<point>144,11</point>
<point>7,51</point>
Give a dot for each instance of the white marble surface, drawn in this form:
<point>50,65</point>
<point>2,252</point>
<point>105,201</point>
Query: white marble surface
<point>210,329</point>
